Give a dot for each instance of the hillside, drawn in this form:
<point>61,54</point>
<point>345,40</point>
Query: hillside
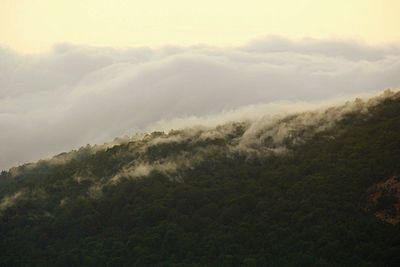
<point>318,188</point>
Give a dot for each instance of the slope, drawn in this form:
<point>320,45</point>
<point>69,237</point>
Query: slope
<point>285,191</point>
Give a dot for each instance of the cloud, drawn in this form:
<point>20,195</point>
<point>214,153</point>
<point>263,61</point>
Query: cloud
<point>76,95</point>
<point>347,49</point>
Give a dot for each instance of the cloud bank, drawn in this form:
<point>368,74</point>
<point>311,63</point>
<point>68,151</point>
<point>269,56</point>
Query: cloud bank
<point>76,95</point>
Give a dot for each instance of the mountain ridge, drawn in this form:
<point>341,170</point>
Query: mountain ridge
<point>193,197</point>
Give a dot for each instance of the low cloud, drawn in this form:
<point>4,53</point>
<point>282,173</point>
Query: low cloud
<point>76,95</point>
<point>9,201</point>
<point>144,169</point>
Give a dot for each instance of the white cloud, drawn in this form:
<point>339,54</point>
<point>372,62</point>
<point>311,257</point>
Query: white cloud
<point>77,95</point>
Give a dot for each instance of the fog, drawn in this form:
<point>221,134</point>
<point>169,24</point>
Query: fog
<point>76,95</point>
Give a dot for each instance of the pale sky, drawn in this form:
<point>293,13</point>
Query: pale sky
<point>36,25</point>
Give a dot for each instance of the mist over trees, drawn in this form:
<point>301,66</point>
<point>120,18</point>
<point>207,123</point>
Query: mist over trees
<point>210,197</point>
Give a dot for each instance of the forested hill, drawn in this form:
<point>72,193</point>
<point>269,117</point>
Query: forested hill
<point>317,188</point>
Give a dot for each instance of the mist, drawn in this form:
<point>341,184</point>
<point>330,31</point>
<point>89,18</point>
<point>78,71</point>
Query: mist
<point>76,95</point>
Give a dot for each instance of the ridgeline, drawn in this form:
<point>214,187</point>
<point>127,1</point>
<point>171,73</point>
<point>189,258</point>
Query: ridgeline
<point>310,189</point>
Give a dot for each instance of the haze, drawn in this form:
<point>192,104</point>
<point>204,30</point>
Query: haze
<point>78,72</point>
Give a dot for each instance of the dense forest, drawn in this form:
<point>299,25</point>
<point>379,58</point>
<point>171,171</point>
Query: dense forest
<point>308,189</point>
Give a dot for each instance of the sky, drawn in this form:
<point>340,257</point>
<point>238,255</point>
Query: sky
<point>33,26</point>
<point>79,72</point>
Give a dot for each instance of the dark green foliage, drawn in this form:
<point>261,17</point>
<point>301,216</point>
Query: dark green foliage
<point>301,209</point>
